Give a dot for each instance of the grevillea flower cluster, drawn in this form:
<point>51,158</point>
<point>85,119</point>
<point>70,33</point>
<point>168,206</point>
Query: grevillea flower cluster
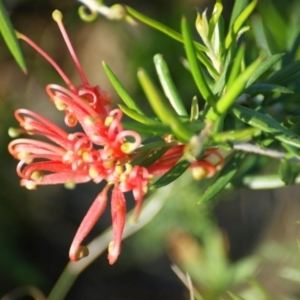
<point>102,152</point>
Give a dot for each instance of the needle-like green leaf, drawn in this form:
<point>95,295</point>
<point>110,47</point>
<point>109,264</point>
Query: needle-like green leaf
<point>163,109</point>
<point>10,38</point>
<point>266,124</point>
<point>233,92</point>
<point>168,85</point>
<point>195,69</point>
<point>121,90</point>
<point>237,24</point>
<point>224,177</point>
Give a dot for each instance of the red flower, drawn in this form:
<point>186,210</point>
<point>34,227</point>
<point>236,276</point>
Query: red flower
<point>101,152</point>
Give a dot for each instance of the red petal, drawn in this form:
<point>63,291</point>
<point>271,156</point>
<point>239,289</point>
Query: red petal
<point>118,213</point>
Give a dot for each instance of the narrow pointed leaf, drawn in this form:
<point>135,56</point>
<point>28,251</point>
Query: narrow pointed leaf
<point>217,39</point>
<point>224,177</point>
<point>288,172</point>
<point>160,27</point>
<point>236,67</point>
<point>171,175</point>
<point>276,24</point>
<point>237,24</point>
<point>234,296</point>
<point>218,8</point>
<point>10,38</point>
<point>133,114</point>
<point>265,65</point>
<point>285,73</point>
<point>121,90</point>
<point>194,110</point>
<point>266,124</point>
<point>163,109</point>
<point>149,129</point>
<point>196,71</point>
<point>267,88</point>
<point>238,7</point>
<point>259,34</point>
<point>233,92</point>
<point>168,85</point>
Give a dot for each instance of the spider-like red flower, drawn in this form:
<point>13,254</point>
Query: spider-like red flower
<point>103,151</point>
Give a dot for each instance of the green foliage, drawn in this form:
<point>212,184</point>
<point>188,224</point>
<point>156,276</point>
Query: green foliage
<point>10,38</point>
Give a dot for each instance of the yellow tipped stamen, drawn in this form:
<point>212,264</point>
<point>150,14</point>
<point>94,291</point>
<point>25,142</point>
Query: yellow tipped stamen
<point>37,176</point>
<point>145,190</point>
<point>81,252</point>
<point>89,121</point>
<point>108,163</point>
<point>68,157</point>
<point>70,185</point>
<point>128,147</point>
<point>199,173</point>
<point>13,132</point>
<point>28,127</point>
<point>86,156</point>
<point>57,16</point>
<point>118,170</point>
<point>128,168</point>
<point>22,155</point>
<point>108,121</point>
<point>93,172</point>
<point>123,178</point>
<point>30,185</point>
<point>60,105</point>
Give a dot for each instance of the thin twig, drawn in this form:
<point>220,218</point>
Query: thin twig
<point>251,148</point>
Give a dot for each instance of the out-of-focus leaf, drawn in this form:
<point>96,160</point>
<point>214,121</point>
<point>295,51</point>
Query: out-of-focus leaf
<point>154,157</point>
<point>236,135</point>
<point>224,177</point>
<point>290,274</point>
<point>265,65</point>
<point>284,73</point>
<point>235,297</point>
<point>266,124</point>
<point>171,175</point>
<point>287,173</point>
<point>256,88</point>
<point>238,7</point>
<point>275,24</point>
<point>168,85</point>
<point>237,24</point>
<point>121,90</point>
<point>158,143</point>
<point>259,34</point>
<point>146,160</point>
<point>10,38</point>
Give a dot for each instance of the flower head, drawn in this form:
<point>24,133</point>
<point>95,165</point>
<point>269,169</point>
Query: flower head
<point>103,151</point>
